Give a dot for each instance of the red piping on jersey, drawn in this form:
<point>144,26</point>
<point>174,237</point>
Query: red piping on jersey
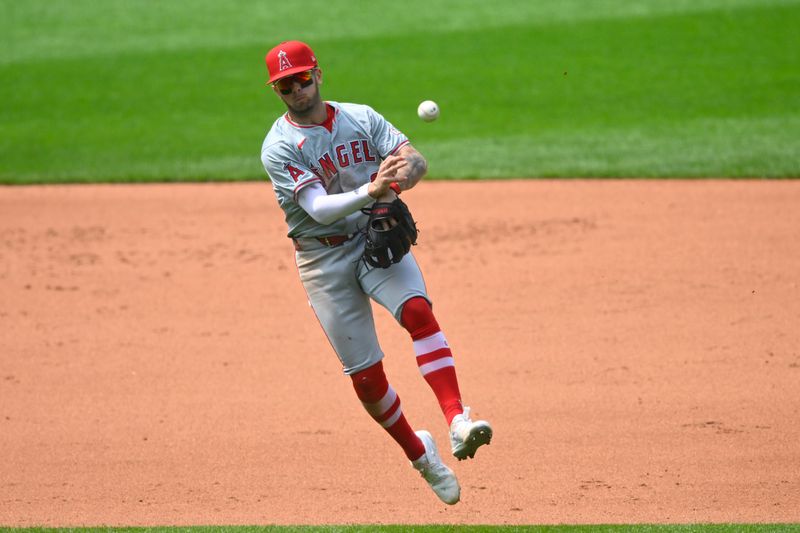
<point>328,124</point>
<point>396,148</point>
<point>303,184</point>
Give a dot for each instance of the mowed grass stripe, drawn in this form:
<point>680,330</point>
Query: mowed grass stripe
<point>43,29</point>
<point>694,149</point>
<point>637,528</point>
<point>708,95</point>
<point>636,96</point>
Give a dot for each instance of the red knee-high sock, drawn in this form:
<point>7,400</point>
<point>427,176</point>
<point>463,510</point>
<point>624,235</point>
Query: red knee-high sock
<point>434,358</point>
<point>383,404</point>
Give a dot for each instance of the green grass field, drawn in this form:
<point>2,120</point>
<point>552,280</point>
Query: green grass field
<point>699,528</point>
<point>157,91</point>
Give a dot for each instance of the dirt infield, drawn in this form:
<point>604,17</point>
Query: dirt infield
<point>636,345</point>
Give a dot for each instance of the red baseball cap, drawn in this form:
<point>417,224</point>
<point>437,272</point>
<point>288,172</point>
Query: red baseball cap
<point>289,57</point>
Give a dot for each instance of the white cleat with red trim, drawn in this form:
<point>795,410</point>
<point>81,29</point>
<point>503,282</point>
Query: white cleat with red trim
<point>467,436</point>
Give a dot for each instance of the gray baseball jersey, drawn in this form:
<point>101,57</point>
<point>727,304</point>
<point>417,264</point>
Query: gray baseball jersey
<point>343,154</point>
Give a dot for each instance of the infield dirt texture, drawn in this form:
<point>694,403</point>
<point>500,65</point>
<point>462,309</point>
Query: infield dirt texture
<point>635,345</point>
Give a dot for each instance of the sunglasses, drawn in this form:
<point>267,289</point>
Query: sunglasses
<point>286,85</point>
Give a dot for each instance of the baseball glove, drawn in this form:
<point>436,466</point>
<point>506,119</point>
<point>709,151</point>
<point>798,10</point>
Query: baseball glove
<point>391,231</point>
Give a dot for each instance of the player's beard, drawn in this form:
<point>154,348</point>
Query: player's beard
<point>307,107</point>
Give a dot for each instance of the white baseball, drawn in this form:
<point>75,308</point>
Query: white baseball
<point>428,111</point>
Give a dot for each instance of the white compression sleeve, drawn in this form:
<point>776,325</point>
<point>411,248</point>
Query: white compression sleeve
<point>328,208</point>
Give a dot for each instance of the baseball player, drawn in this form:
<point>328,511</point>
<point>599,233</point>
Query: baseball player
<point>328,163</point>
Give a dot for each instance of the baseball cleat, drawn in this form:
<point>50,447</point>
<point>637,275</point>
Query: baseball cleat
<point>467,436</point>
<point>441,479</point>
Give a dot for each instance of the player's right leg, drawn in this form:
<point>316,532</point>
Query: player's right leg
<point>345,314</point>
<point>341,307</point>
<point>382,403</point>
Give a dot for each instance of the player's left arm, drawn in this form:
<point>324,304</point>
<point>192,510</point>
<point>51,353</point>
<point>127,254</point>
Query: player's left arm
<point>416,166</point>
